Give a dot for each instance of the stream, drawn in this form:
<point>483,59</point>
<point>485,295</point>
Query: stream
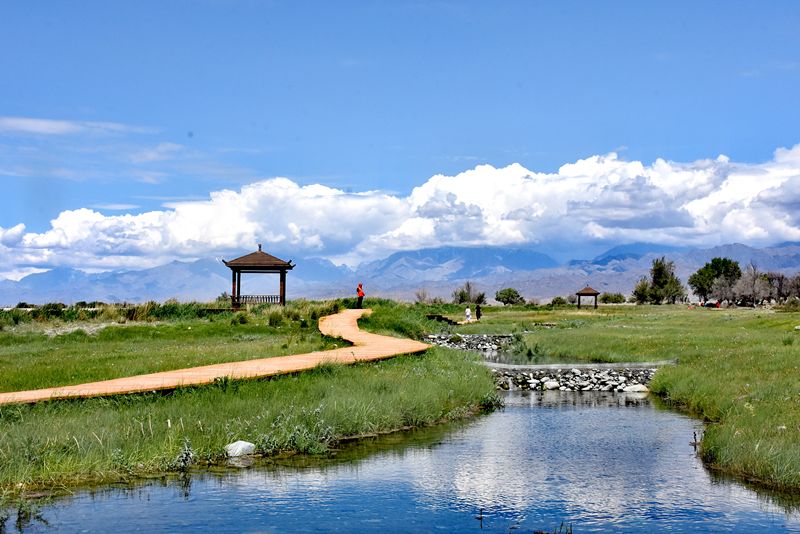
<point>594,461</point>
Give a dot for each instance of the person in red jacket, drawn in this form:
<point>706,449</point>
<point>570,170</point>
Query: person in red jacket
<point>360,293</point>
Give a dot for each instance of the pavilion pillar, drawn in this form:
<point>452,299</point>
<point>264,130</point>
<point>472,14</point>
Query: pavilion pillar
<point>579,302</point>
<point>233,288</point>
<point>283,288</point>
<point>595,302</point>
<point>239,288</point>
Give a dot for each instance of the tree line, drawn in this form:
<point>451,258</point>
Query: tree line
<point>720,280</point>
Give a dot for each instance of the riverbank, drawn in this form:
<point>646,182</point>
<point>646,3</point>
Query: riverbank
<point>60,444</point>
<point>499,348</point>
<point>736,369</point>
<point>573,379</point>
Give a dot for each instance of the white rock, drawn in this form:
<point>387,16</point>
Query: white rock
<point>239,448</point>
<point>635,388</point>
<point>551,384</point>
<point>797,327</point>
<point>576,372</point>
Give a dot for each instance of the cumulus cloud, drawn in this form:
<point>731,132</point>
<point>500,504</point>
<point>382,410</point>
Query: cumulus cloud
<point>27,125</point>
<point>600,199</point>
<point>161,152</point>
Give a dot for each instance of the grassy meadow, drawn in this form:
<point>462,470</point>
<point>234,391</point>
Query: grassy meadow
<point>63,443</point>
<point>34,359</point>
<point>736,368</point>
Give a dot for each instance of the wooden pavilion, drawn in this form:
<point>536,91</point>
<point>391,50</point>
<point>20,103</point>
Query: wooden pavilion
<point>587,292</point>
<point>257,262</point>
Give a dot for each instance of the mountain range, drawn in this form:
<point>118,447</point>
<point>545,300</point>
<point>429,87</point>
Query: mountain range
<point>438,271</point>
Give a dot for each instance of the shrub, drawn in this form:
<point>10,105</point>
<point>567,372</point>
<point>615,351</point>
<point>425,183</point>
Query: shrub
<point>558,301</point>
<point>13,317</point>
<point>641,292</point>
<point>612,298</point>
<point>239,318</point>
<point>51,310</point>
<point>791,305</point>
<point>275,318</point>
<point>468,294</point>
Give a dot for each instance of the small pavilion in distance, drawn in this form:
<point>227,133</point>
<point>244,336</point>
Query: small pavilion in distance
<point>257,262</point>
<point>587,292</point>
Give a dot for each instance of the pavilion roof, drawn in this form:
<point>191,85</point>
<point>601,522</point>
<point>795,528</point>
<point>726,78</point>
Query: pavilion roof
<point>588,291</point>
<point>258,260</point>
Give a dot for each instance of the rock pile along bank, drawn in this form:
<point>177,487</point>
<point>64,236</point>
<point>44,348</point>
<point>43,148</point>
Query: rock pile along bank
<point>568,378</point>
<point>487,344</point>
<point>627,380</point>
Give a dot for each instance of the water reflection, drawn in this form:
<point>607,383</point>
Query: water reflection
<point>599,461</point>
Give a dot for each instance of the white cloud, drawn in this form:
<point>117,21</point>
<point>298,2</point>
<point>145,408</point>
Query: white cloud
<point>19,274</point>
<point>115,207</point>
<point>600,198</point>
<point>27,125</point>
<point>161,152</point>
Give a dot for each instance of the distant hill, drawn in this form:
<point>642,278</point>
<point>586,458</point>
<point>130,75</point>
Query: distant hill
<point>437,270</point>
<point>453,263</point>
<point>634,251</point>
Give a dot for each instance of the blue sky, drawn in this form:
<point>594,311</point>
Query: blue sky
<point>129,109</point>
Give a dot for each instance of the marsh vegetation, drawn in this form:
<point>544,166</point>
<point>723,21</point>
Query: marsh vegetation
<point>59,444</point>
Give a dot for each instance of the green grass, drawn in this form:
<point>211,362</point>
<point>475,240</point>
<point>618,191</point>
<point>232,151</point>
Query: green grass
<point>99,440</point>
<point>31,359</point>
<point>60,444</point>
<point>738,369</point>
<point>398,319</point>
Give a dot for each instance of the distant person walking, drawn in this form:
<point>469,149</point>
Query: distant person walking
<point>478,312</point>
<point>468,314</point>
<point>360,293</point>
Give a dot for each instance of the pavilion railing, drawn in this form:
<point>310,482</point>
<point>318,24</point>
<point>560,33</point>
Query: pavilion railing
<point>257,299</point>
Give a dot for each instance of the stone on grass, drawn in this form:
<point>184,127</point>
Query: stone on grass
<point>635,388</point>
<point>239,448</point>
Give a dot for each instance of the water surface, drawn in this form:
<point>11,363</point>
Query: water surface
<point>597,461</point>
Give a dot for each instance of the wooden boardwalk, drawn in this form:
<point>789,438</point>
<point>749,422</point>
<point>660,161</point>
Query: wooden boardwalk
<point>366,347</point>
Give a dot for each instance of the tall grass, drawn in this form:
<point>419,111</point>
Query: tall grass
<point>62,443</point>
<point>399,319</point>
<point>30,358</point>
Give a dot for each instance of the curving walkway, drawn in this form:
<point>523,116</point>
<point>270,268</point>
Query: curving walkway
<point>344,324</point>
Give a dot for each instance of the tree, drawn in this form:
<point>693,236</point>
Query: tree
<point>468,293</point>
<point>641,292</point>
<point>674,290</point>
<point>702,281</point>
<point>664,285</point>
<point>722,289</point>
<point>509,296</point>
<point>421,296</point>
<point>778,286</point>
<point>794,286</point>
<point>752,287</point>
